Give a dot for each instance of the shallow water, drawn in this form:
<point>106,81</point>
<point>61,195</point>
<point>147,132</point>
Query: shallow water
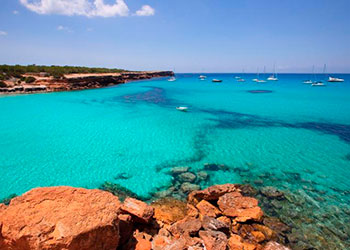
<point>85,138</point>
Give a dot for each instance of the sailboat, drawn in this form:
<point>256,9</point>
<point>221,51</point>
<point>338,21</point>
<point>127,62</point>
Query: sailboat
<point>320,83</point>
<point>258,75</point>
<point>240,79</point>
<point>313,73</point>
<point>273,77</point>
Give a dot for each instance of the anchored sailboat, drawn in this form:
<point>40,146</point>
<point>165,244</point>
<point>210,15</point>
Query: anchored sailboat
<point>273,77</point>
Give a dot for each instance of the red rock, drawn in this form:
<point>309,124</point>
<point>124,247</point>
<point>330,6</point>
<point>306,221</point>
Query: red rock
<point>236,243</point>
<point>139,209</point>
<point>235,199</point>
<point>205,208</point>
<point>268,233</point>
<point>125,227</point>
<point>169,210</point>
<point>225,220</point>
<point>61,218</point>
<point>210,223</point>
<point>186,226</point>
<point>258,236</point>
<point>213,240</point>
<point>192,211</point>
<point>159,242</point>
<point>211,193</point>
<point>243,208</point>
<point>272,245</point>
<point>177,244</point>
<point>143,244</point>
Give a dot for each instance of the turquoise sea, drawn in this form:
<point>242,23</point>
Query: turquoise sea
<point>132,135</point>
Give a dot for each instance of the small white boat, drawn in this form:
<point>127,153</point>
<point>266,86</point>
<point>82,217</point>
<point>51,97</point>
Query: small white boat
<point>172,79</point>
<point>335,79</point>
<point>216,80</point>
<point>202,77</point>
<point>255,80</point>
<point>318,84</point>
<point>307,82</point>
<point>237,77</point>
<point>241,80</point>
<point>260,81</point>
<point>183,109</point>
<point>273,77</point>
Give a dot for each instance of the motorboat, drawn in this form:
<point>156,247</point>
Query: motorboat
<point>216,80</point>
<point>202,77</point>
<point>172,79</point>
<point>318,84</point>
<point>183,109</point>
<point>335,79</point>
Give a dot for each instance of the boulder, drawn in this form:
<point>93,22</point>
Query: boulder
<point>179,170</point>
<point>169,210</point>
<point>206,208</point>
<point>143,244</point>
<point>273,245</point>
<point>187,187</point>
<point>211,193</point>
<point>139,209</point>
<point>236,242</point>
<point>202,175</point>
<point>210,223</point>
<point>213,240</point>
<point>243,208</point>
<point>185,226</point>
<point>272,193</point>
<point>187,177</point>
<point>61,218</point>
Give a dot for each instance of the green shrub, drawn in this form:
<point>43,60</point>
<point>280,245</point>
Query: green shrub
<point>30,79</point>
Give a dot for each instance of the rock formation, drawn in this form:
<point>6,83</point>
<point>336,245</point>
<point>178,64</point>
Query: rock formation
<point>219,217</point>
<point>81,81</point>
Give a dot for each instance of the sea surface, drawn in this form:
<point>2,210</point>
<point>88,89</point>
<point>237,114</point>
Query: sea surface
<point>290,136</point>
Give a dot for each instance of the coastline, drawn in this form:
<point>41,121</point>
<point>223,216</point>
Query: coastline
<point>81,81</point>
<point>220,217</point>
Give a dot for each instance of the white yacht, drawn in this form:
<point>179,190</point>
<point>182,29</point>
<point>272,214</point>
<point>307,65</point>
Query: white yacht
<point>172,79</point>
<point>202,77</point>
<point>335,79</point>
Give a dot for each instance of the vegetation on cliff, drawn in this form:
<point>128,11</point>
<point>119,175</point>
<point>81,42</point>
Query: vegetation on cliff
<point>8,71</point>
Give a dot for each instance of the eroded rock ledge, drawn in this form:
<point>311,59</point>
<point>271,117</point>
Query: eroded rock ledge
<point>79,81</point>
<point>217,218</point>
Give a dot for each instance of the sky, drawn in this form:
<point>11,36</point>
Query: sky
<point>181,35</point>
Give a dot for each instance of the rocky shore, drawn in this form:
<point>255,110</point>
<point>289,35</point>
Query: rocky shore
<point>219,217</point>
<point>76,81</point>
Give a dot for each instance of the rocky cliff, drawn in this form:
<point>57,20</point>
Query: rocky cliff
<point>78,81</point>
<point>217,218</point>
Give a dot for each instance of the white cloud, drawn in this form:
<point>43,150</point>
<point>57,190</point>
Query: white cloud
<point>146,10</point>
<point>63,28</point>
<point>89,8</point>
<point>3,33</point>
<point>15,12</point>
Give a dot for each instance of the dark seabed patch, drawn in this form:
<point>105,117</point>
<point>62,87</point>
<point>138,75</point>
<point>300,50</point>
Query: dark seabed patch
<point>235,120</point>
<point>259,91</point>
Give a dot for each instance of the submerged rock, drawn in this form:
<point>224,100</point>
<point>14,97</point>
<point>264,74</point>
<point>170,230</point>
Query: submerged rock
<point>8,199</point>
<point>61,218</point>
<point>272,192</point>
<point>187,177</point>
<point>202,175</point>
<point>179,170</point>
<point>189,187</point>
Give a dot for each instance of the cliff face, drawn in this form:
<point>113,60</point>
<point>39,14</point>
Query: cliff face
<point>80,81</point>
<point>217,218</point>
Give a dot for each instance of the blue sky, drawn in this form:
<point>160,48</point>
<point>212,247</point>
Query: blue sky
<point>182,35</point>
